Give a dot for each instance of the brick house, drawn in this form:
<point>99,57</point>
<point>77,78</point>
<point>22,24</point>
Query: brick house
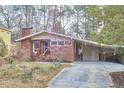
<point>50,44</point>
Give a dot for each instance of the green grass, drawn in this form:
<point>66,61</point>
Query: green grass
<point>28,74</point>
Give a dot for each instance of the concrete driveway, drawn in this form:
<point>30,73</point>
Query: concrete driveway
<point>86,75</point>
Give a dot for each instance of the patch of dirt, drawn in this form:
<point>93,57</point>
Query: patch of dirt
<point>118,79</point>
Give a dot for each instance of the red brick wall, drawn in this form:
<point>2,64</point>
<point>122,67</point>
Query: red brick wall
<point>66,51</point>
<point>26,31</point>
<point>26,44</point>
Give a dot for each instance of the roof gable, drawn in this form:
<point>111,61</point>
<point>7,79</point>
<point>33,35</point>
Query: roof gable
<point>38,33</point>
<point>49,36</point>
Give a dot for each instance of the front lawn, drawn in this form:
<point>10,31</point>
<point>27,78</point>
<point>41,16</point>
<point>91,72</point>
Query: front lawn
<point>28,74</point>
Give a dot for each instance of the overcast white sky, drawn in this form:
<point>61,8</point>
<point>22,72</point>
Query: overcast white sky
<point>62,2</point>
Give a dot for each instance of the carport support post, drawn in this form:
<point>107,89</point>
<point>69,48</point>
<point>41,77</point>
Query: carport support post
<point>114,55</point>
<point>104,55</point>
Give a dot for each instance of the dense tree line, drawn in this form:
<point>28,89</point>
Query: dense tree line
<point>71,20</point>
<point>111,21</point>
<point>103,24</point>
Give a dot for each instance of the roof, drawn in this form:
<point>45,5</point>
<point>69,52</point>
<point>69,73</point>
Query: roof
<point>77,39</point>
<point>35,34</point>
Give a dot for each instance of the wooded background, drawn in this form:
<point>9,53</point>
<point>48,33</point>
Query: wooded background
<point>104,24</point>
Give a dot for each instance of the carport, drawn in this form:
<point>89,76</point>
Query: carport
<point>92,51</point>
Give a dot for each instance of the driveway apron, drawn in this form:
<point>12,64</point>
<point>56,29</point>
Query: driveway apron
<point>86,75</point>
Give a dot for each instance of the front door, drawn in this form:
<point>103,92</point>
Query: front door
<point>45,47</point>
<point>40,48</point>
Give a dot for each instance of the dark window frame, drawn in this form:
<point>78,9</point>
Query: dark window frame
<point>51,43</point>
<point>61,43</point>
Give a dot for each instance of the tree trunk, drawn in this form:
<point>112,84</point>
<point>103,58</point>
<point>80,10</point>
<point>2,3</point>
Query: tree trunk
<point>26,15</point>
<point>60,21</point>
<point>77,24</point>
<point>54,18</point>
<point>47,20</point>
<point>44,16</point>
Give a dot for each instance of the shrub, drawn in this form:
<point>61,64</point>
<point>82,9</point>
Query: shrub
<point>57,55</point>
<point>26,77</point>
<point>120,54</point>
<point>27,74</point>
<point>15,71</point>
<point>11,72</point>
<point>3,48</point>
<point>9,60</point>
<point>1,61</point>
<point>19,54</point>
<point>41,58</point>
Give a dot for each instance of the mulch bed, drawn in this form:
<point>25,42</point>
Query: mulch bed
<point>118,79</point>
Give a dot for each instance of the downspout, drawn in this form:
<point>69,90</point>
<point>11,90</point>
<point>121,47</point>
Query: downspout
<point>31,50</point>
<point>74,47</point>
<point>114,58</point>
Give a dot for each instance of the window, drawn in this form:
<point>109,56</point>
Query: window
<point>36,46</point>
<point>45,46</point>
<point>53,42</point>
<point>61,43</point>
<point>67,42</point>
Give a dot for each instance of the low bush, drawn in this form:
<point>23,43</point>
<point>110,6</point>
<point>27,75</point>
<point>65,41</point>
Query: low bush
<point>26,74</point>
<point>9,59</point>
<point>21,54</point>
<point>15,71</point>
<point>120,54</point>
<point>18,54</point>
<point>57,55</point>
<point>26,77</point>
